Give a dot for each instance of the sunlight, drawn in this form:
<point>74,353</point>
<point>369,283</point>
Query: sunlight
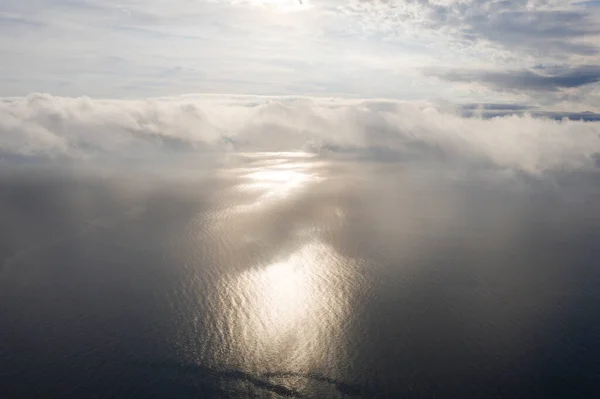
<point>292,308</point>
<point>276,176</point>
<point>277,182</point>
<point>281,5</point>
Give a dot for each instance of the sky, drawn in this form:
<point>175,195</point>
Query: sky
<point>511,85</point>
<point>534,53</point>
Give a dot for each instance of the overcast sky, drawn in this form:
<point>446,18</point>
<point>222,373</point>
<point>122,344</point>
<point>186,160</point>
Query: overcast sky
<point>534,52</point>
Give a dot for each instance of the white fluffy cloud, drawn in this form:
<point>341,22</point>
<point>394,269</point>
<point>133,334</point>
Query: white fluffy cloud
<point>82,128</point>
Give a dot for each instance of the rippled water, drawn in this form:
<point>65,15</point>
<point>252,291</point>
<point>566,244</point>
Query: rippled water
<point>293,275</point>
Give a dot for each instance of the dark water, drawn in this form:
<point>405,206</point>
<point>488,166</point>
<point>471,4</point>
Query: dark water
<point>286,275</point>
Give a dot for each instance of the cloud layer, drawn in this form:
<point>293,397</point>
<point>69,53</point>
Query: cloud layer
<point>540,79</point>
<point>82,128</point>
<point>542,52</point>
<point>543,28</point>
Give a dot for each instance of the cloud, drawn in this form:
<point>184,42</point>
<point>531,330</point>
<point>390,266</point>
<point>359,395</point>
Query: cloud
<point>502,110</point>
<point>81,129</point>
<point>526,79</point>
<point>127,49</point>
<point>545,32</point>
<point>537,28</point>
<point>590,3</point>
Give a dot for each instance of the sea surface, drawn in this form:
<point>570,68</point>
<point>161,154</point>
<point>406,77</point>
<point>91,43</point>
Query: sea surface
<point>269,275</point>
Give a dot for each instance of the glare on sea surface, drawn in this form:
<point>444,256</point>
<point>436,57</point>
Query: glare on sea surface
<point>288,314</point>
<point>279,181</point>
<point>276,176</point>
<point>284,312</point>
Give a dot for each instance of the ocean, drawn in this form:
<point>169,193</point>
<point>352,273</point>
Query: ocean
<point>268,275</point>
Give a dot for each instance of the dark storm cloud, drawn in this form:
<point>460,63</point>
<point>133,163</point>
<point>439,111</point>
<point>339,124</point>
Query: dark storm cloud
<point>539,79</point>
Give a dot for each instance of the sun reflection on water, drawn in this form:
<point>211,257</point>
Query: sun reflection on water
<point>282,298</point>
<point>273,177</point>
<point>277,181</point>
<point>289,314</point>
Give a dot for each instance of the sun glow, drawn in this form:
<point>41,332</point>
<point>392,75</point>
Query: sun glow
<point>281,5</point>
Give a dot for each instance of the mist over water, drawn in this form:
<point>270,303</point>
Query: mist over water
<point>293,274</point>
